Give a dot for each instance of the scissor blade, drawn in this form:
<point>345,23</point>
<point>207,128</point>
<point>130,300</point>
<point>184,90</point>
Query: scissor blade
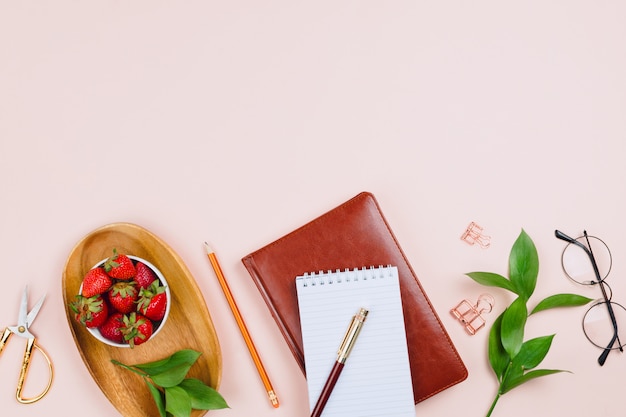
<point>22,318</point>
<point>33,313</point>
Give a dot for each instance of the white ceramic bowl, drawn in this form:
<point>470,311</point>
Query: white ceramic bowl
<point>157,325</point>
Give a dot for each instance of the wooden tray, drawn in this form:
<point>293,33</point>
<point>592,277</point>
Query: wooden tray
<point>188,326</point>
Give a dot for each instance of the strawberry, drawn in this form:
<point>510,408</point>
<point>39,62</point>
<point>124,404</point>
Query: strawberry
<point>152,301</point>
<point>119,266</point>
<point>145,276</point>
<point>112,328</point>
<point>95,282</point>
<point>137,329</point>
<point>91,312</point>
<point>123,295</point>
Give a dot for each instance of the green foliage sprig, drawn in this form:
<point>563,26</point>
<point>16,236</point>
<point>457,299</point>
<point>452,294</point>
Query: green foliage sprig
<point>174,394</point>
<point>512,359</point>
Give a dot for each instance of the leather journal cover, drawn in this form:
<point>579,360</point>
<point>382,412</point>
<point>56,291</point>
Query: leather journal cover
<point>353,235</point>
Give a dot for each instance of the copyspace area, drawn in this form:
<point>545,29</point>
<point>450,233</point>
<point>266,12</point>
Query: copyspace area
<point>237,122</point>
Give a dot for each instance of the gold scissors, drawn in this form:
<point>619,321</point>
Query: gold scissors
<point>24,321</point>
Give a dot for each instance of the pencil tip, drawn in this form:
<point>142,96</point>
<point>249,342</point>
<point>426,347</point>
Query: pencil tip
<point>208,248</point>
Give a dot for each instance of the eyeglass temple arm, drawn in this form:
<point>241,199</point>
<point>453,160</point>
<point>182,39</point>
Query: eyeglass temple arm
<point>563,236</point>
<point>607,350</point>
<point>606,299</point>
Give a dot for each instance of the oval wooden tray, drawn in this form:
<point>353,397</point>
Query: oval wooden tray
<point>189,325</point>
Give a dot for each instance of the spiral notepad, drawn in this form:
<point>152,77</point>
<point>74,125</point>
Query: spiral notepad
<point>376,380</point>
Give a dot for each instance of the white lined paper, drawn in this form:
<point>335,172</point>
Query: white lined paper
<point>376,380</point>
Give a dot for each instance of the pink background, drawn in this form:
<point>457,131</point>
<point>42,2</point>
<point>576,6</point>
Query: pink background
<point>236,122</point>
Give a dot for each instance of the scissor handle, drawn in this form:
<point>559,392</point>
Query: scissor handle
<point>25,364</point>
<point>5,337</point>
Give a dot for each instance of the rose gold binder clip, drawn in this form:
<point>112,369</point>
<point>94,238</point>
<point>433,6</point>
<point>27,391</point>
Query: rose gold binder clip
<point>474,234</point>
<point>470,315</point>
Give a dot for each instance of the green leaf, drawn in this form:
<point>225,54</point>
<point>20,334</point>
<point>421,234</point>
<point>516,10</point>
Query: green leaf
<point>530,355</point>
<point>513,322</point>
<point>533,352</point>
<point>172,376</point>
<point>158,398</point>
<point>498,358</point>
<point>181,357</point>
<point>492,280</point>
<point>561,300</point>
<point>202,396</point>
<point>513,372</point>
<point>177,402</point>
<point>180,395</point>
<point>509,385</point>
<point>524,265</point>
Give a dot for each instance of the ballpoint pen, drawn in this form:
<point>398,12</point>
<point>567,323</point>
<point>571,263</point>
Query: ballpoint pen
<point>342,355</point>
<point>242,327</point>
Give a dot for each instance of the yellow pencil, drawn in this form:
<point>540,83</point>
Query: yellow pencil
<point>242,326</point>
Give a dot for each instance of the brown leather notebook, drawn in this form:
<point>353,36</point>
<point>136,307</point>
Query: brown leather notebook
<point>353,235</point>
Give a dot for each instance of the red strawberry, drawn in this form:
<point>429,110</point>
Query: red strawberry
<point>112,328</point>
<point>137,329</point>
<point>95,282</point>
<point>152,301</point>
<point>123,296</point>
<point>119,266</point>
<point>145,276</point>
<point>91,312</point>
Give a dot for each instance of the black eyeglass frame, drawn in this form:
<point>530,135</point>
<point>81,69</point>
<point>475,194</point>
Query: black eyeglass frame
<point>600,282</point>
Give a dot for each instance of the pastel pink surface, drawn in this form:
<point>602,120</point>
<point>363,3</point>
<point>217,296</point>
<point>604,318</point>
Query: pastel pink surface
<point>235,123</point>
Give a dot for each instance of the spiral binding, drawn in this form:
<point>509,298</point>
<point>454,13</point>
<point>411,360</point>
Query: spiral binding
<point>346,276</point>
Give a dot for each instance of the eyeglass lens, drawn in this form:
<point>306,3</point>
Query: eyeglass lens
<point>578,266</point>
<point>598,326</point>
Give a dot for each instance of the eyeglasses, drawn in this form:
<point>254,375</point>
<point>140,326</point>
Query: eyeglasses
<point>600,322</point>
